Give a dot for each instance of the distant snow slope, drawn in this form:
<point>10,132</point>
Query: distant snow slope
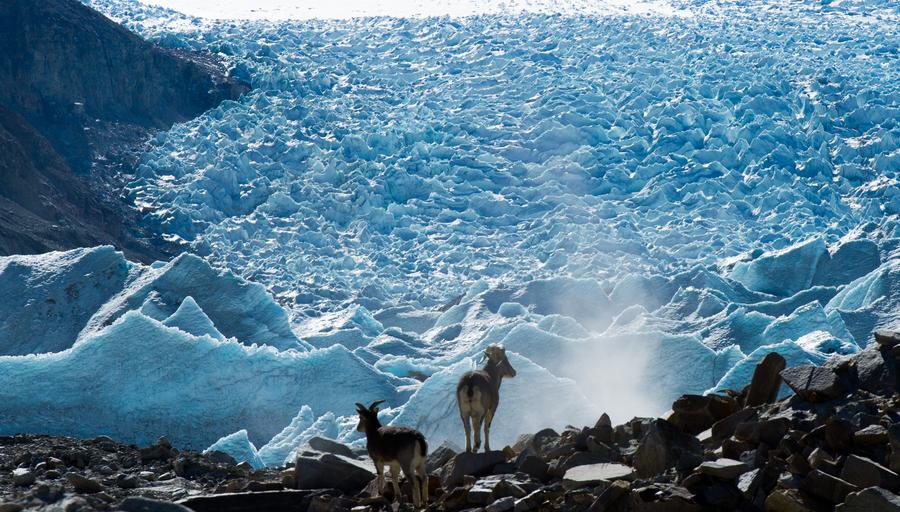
<point>636,206</point>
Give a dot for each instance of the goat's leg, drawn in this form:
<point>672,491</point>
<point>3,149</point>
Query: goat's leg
<point>476,424</point>
<point>380,468</point>
<point>423,474</point>
<point>413,482</point>
<point>465,420</point>
<point>395,479</point>
<point>488,418</point>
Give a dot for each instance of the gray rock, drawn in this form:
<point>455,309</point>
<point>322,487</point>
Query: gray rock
<point>766,380</point>
<point>83,484</point>
<point>220,457</point>
<point>887,339</point>
<point>441,455</point>
<point>864,472</point>
<point>502,505</point>
<point>872,499</point>
<point>828,487</point>
<point>23,477</point>
<point>591,475</point>
<point>876,370</point>
<point>266,501</point>
<point>813,383</point>
<point>475,464</point>
<point>726,469</point>
<point>663,447</point>
<point>725,427</point>
<point>325,445</point>
<point>124,481</point>
<point>610,496</point>
<point>871,435</point>
<point>660,496</point>
<point>480,495</point>
<point>532,465</point>
<point>140,504</point>
<point>330,471</point>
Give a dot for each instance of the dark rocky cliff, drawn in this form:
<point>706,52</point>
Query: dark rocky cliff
<point>88,94</point>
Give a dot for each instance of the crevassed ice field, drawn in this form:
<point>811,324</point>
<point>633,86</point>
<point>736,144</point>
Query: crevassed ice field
<point>638,201</point>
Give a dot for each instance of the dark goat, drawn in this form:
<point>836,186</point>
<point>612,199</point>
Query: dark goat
<point>478,395</point>
<point>400,448</point>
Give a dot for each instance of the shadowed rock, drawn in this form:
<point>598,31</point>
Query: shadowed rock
<point>766,380</point>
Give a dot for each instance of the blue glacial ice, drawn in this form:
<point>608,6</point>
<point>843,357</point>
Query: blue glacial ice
<point>637,206</point>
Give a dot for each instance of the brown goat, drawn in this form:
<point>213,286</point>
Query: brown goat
<point>400,448</point>
<point>478,395</point>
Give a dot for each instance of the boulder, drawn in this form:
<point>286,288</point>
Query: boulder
<point>324,445</point>
<point>766,431</point>
<point>266,501</point>
<point>663,447</point>
<point>532,465</point>
<point>441,455</point>
<point>725,427</point>
<point>871,435</point>
<point>591,475</point>
<point>610,496</point>
<point>726,469</point>
<point>695,413</point>
<point>502,505</point>
<point>864,472</point>
<point>766,380</point>
<point>83,484</point>
<point>813,383</point>
<point>887,339</point>
<point>559,467</point>
<point>662,496</point>
<point>872,499</point>
<point>789,500</point>
<point>829,488</point>
<point>603,429</point>
<point>876,370</point>
<point>331,471</point>
<point>23,477</point>
<point>162,450</point>
<point>466,463</point>
<point>140,504</point>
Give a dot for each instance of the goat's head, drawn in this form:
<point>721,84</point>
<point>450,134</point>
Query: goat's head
<point>367,415</point>
<point>497,355</point>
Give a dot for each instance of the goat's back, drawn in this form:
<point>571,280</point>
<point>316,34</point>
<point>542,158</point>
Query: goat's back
<point>399,443</point>
<point>477,384</point>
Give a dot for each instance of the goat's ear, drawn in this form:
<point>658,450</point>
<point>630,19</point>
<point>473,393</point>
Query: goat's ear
<point>375,404</point>
<point>360,407</point>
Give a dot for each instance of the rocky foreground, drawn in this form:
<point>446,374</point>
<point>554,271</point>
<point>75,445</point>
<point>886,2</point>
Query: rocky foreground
<point>832,445</point>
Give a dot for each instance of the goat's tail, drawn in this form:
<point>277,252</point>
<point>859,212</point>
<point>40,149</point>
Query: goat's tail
<point>470,390</point>
<point>423,446</point>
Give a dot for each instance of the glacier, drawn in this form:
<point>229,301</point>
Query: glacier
<point>637,205</point>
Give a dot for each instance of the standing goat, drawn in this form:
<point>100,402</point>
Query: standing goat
<point>478,395</point>
<point>400,448</point>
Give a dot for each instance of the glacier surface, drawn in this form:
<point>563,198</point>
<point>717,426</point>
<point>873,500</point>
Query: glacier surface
<point>637,206</point>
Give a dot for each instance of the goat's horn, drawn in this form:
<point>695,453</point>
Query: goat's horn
<point>375,404</point>
<point>360,407</point>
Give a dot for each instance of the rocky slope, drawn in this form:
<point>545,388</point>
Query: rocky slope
<point>832,445</point>
<point>88,94</point>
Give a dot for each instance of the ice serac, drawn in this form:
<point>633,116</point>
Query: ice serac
<point>158,380</point>
<point>239,446</point>
<point>191,319</point>
<point>783,272</point>
<point>237,308</point>
<point>49,298</point>
<point>870,302</point>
